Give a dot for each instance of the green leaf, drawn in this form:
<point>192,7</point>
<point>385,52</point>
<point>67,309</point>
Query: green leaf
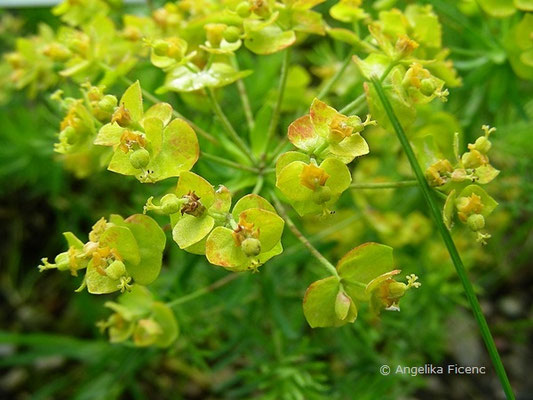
<point>339,175</point>
<point>73,241</point>
<point>449,208</point>
<point>164,316</point>
<point>489,204</point>
<point>498,8</point>
<point>268,40</point>
<point>98,283</point>
<point>190,229</point>
<point>179,151</point>
<point>426,27</point>
<point>349,148</point>
<point>270,226</point>
<point>191,182</point>
<point>251,201</point>
<point>302,134</point>
<point>109,135</point>
<point>220,249</point>
<point>182,79</point>
<point>122,240</point>
<point>319,304</point>
<point>524,5</point>
<point>161,111</point>
<point>361,265</point>
<point>137,301</point>
<point>222,202</point>
<point>151,241</point>
<point>133,102</point>
<point>373,66</point>
<point>267,255</point>
<point>343,35</point>
<point>288,157</point>
<point>322,116</point>
<point>486,174</point>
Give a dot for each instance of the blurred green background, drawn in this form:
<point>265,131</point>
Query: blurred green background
<point>249,339</point>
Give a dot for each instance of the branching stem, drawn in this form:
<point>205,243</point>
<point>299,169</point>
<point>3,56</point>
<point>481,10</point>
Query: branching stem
<point>202,291</point>
<point>384,185</point>
<point>229,163</point>
<point>244,99</point>
<point>299,235</point>
<point>231,132</point>
<point>327,87</point>
<point>281,92</point>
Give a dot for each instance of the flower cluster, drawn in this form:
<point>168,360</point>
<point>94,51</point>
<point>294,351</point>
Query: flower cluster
<point>119,252</point>
<point>365,274</point>
<point>202,223</point>
<point>462,181</point>
<point>323,135</point>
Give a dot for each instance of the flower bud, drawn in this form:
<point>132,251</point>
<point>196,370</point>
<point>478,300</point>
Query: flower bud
<point>476,222</point>
<point>161,47</point>
<point>251,247</point>
<point>482,144</point>
<point>232,34</point>
<point>170,204</point>
<point>427,87</point>
<point>62,261</point>
<point>139,158</point>
<point>57,52</point>
<point>261,8</point>
<point>146,332</point>
<point>116,269</point>
<point>405,46</point>
<point>243,9</point>
<point>342,305</point>
<point>397,289</point>
<point>214,33</point>
<point>68,135</point>
<point>322,194</point>
<point>108,103</point>
<point>473,159</point>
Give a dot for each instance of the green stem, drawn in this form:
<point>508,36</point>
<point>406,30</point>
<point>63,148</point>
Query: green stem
<point>353,107</point>
<point>448,241</point>
<point>384,185</point>
<point>274,155</point>
<point>281,210</point>
<point>153,99</point>
<point>244,99</point>
<point>228,163</point>
<point>281,91</point>
<point>348,109</point>
<point>232,133</point>
<point>327,87</point>
<point>202,291</point>
<point>259,184</point>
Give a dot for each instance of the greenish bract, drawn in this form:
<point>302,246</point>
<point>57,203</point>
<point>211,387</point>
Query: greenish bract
<point>311,188</point>
<point>138,318</point>
<point>148,145</point>
<point>251,237</point>
<point>365,274</point>
<point>119,252</point>
<point>461,179</point>
<point>328,133</point>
